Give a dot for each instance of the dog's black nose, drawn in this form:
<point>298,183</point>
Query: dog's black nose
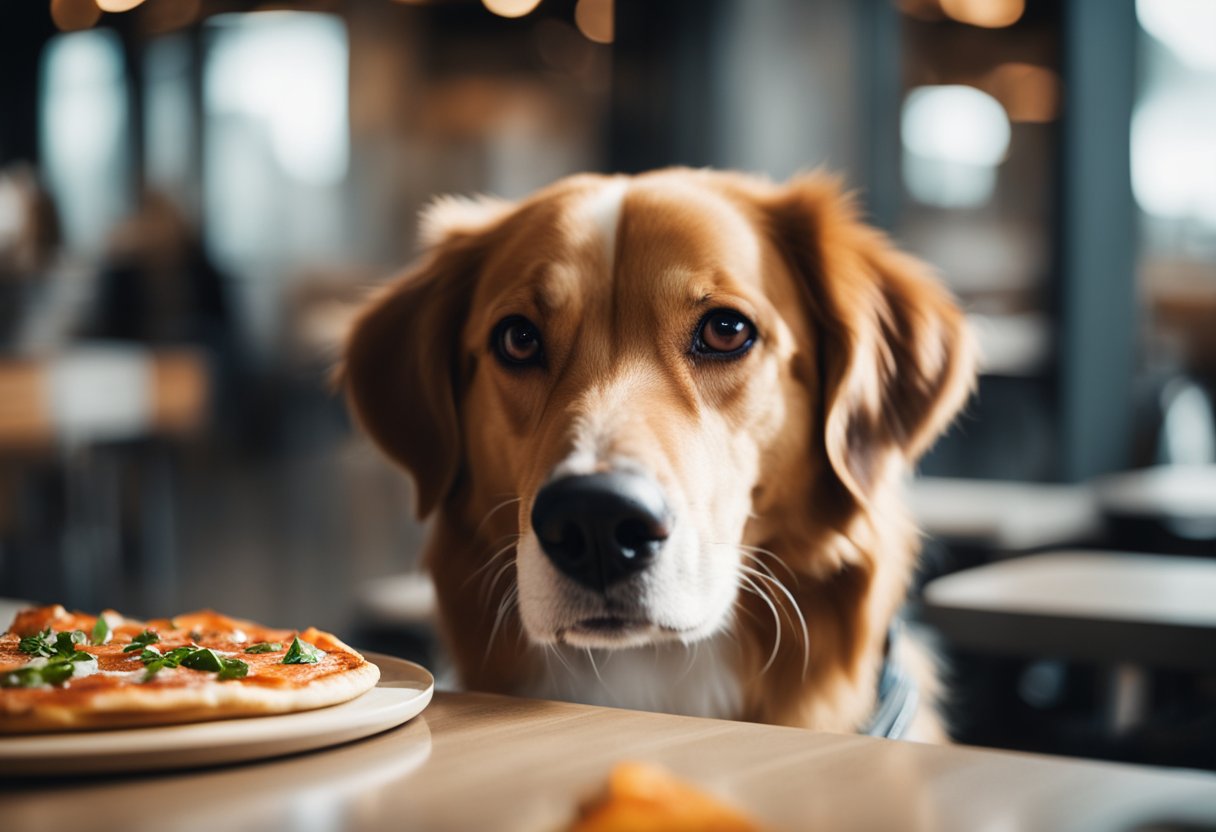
<point>601,528</point>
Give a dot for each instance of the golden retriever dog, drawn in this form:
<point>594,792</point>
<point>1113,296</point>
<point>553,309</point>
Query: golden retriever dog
<point>663,423</point>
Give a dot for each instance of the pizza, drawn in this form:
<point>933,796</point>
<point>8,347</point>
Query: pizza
<point>63,671</point>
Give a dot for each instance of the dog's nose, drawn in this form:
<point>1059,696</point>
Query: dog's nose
<point>601,528</point>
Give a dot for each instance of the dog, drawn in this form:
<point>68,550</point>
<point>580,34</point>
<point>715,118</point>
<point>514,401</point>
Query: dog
<point>663,423</point>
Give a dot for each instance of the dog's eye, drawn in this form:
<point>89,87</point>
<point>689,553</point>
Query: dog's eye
<point>724,334</point>
<point>517,341</point>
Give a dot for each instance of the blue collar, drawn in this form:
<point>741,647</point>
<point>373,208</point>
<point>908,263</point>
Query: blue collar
<point>898,694</point>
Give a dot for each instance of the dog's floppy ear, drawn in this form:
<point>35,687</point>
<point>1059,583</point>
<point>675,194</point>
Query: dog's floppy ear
<point>896,360</point>
<point>400,366</point>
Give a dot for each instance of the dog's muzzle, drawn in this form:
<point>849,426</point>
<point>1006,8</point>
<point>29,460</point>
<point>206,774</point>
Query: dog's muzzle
<point>600,529</point>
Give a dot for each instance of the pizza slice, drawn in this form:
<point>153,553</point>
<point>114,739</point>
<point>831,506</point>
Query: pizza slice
<point>62,671</point>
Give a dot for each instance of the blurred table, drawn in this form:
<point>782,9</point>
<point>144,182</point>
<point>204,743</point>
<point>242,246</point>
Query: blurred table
<point>474,761</point>
<point>1162,506</point>
<point>1126,612</point>
<point>1004,517</point>
<point>1155,610</point>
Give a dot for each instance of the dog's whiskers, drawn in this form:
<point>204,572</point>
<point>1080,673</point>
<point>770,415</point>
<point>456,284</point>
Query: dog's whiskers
<point>732,636</point>
<point>556,652</point>
<point>508,603</point>
<point>490,561</point>
<point>749,585</point>
<point>766,578</point>
<point>762,566</point>
<point>492,511</point>
<point>756,550</point>
<point>502,571</point>
<point>692,660</point>
<point>771,579</point>
<point>750,615</point>
<point>595,669</point>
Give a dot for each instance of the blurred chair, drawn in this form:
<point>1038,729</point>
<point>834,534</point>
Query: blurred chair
<point>74,406</point>
<point>1187,435</point>
<point>1170,505</point>
<point>101,392</point>
<point>971,522</point>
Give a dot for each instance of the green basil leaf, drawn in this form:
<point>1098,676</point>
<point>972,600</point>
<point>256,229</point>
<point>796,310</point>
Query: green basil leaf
<point>47,644</point>
<point>203,659</point>
<point>141,641</point>
<point>301,652</point>
<point>101,631</point>
<point>25,677</point>
<point>56,673</point>
<point>65,643</point>
<point>174,657</point>
<point>154,662</point>
<point>44,671</point>
<point>233,669</point>
<point>39,644</point>
<point>265,647</point>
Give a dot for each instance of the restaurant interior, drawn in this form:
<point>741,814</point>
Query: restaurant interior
<point>196,196</point>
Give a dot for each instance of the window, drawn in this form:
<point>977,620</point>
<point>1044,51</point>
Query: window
<point>85,135</point>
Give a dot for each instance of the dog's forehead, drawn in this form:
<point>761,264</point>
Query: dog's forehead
<point>675,226</point>
<point>656,237</point>
<point>540,253</point>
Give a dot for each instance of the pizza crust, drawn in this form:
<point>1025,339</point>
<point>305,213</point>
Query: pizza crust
<point>182,695</point>
<point>135,706</point>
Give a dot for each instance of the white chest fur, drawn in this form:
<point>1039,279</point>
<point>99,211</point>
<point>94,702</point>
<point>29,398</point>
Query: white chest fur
<point>693,680</point>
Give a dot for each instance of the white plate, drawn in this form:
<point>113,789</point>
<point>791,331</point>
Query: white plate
<point>403,691</point>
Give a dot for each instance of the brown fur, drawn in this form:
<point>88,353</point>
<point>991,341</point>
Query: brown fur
<point>863,361</point>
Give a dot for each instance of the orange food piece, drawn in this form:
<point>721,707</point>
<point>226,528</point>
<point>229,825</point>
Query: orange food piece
<point>641,797</point>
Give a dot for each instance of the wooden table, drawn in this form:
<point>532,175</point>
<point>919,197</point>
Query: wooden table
<point>480,762</point>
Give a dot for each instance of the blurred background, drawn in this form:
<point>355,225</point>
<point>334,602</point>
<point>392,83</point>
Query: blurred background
<point>195,193</point>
